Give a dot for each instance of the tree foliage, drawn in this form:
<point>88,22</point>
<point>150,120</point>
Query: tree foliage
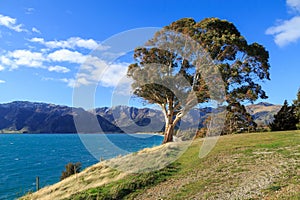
<point>241,66</point>
<point>71,168</point>
<point>285,119</point>
<point>297,107</point>
<point>238,120</point>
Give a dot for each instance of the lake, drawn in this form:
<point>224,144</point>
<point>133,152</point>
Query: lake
<point>23,157</point>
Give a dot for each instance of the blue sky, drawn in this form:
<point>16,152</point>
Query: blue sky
<point>44,44</point>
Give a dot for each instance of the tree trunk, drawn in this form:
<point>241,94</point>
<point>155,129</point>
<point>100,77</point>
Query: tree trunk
<point>169,131</point>
<point>170,121</point>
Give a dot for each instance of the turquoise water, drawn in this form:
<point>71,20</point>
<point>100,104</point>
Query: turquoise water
<point>23,157</point>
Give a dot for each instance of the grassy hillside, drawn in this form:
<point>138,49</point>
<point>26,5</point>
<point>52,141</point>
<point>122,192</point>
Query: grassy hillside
<point>246,166</point>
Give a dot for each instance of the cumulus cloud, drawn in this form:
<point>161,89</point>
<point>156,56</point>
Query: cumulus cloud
<point>35,30</point>
<point>65,55</point>
<point>294,4</point>
<point>26,58</point>
<point>59,69</point>
<point>5,60</point>
<point>2,81</point>
<point>70,82</point>
<point>11,23</point>
<point>113,74</point>
<point>60,56</point>
<point>50,61</point>
<point>97,71</point>
<point>93,70</point>
<point>287,31</point>
<point>71,43</point>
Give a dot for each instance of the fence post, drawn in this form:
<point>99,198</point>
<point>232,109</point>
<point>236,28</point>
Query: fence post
<point>37,183</point>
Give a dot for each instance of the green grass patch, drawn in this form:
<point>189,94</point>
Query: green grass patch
<point>190,189</point>
<point>273,145</point>
<point>275,188</point>
<point>129,185</point>
<point>239,170</point>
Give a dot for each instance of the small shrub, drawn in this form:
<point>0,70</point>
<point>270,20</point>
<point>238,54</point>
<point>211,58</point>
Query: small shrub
<point>71,168</point>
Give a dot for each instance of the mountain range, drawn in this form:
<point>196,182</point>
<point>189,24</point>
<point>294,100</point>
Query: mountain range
<point>263,112</point>
<point>32,117</point>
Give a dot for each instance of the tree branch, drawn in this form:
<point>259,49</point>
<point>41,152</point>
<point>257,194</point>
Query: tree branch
<point>178,117</point>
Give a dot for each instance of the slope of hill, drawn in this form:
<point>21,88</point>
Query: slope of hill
<point>243,166</point>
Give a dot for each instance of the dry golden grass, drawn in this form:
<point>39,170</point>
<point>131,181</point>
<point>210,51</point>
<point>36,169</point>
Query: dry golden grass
<point>92,177</point>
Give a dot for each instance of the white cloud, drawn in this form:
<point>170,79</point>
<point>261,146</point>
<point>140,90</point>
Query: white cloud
<point>70,81</point>
<point>88,44</point>
<point>286,32</point>
<point>25,58</point>
<point>75,82</point>
<point>5,60</point>
<point>35,30</point>
<point>113,74</point>
<point>58,56</point>
<point>43,59</point>
<point>71,43</point>
<point>11,23</point>
<point>2,81</point>
<point>65,55</point>
<point>124,86</point>
<point>103,73</point>
<point>59,69</point>
<point>38,40</point>
<point>294,4</point>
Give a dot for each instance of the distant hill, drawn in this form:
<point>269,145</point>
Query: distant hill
<point>263,113</point>
<point>131,119</point>
<point>23,117</point>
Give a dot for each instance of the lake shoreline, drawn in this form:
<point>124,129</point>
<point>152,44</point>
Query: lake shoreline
<point>26,156</point>
<point>21,133</point>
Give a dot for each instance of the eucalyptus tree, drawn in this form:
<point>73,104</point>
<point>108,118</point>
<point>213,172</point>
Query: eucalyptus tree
<point>180,65</point>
